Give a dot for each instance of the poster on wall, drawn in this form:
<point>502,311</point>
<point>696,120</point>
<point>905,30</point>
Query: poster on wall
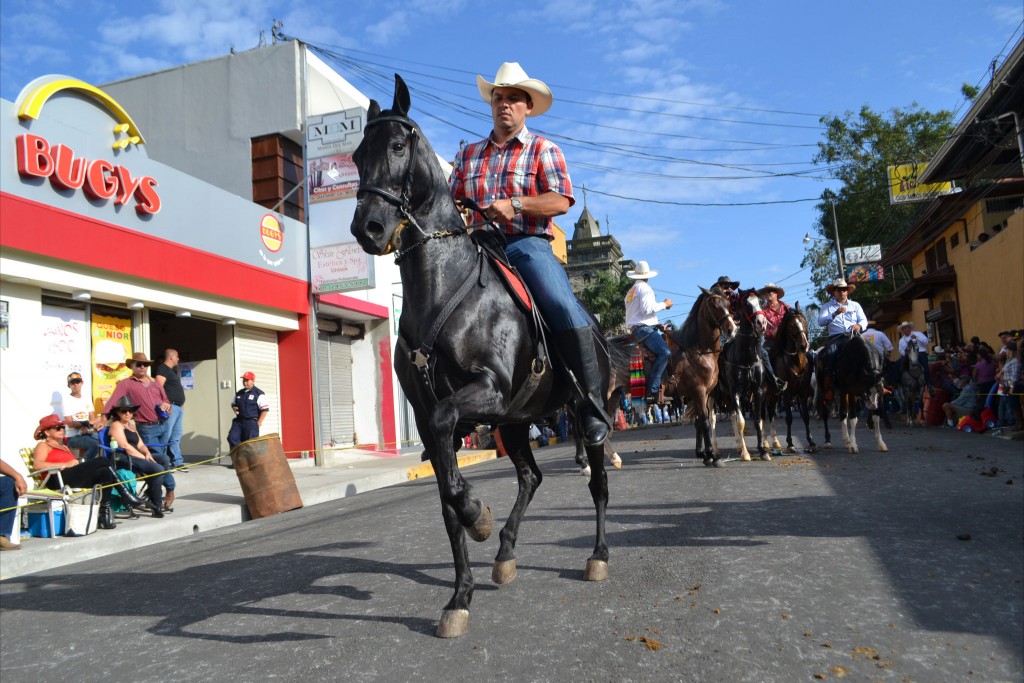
<point>111,346</point>
<point>186,373</point>
<point>332,177</point>
<point>65,347</point>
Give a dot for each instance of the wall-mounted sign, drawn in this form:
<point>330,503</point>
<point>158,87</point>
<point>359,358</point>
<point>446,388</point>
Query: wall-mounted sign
<point>271,233</point>
<point>334,133</point>
<point>340,268</point>
<point>99,178</point>
<point>865,273</point>
<point>903,185</point>
<point>870,253</point>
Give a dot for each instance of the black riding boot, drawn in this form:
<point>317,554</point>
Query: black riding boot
<point>129,498</point>
<point>577,349</point>
<point>106,518</point>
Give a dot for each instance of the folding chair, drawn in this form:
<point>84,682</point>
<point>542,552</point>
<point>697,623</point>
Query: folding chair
<point>40,495</point>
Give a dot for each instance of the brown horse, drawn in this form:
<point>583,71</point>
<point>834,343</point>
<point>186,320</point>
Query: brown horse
<point>791,363</point>
<point>693,368</point>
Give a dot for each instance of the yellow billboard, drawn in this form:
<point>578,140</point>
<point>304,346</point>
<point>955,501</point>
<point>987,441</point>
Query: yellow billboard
<point>903,185</point>
<point>111,347</point>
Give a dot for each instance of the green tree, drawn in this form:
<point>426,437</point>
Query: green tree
<point>604,297</point>
<point>857,149</point>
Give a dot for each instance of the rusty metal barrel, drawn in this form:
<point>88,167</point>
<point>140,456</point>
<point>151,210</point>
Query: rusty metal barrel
<point>268,484</point>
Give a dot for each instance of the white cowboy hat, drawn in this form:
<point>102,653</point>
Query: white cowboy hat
<point>771,287</point>
<point>511,75</point>
<point>839,283</point>
<point>906,323</point>
<point>643,271</point>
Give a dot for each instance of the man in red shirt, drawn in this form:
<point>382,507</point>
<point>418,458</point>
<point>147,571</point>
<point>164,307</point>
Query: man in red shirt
<point>520,182</point>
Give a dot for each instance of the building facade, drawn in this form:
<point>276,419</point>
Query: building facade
<point>590,253</point>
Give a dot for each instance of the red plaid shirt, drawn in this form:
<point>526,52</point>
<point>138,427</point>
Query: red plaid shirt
<point>774,319</point>
<point>526,166</point>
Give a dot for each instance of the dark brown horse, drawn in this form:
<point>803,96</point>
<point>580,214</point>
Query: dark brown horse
<point>791,363</point>
<point>693,368</point>
<point>858,378</point>
<point>466,354</point>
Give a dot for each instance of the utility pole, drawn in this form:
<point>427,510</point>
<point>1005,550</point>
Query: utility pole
<point>839,249</point>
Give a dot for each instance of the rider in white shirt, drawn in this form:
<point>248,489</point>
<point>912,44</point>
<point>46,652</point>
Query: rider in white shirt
<point>839,317</point>
<point>642,319</point>
<point>921,339</point>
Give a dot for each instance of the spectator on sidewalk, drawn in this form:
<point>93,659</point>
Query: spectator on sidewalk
<point>964,404</point>
<point>12,487</point>
<point>166,374</point>
<point>1010,386</point>
<point>251,407</point>
<point>80,419</point>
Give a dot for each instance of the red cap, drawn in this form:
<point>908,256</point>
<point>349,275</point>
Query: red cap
<point>249,375</point>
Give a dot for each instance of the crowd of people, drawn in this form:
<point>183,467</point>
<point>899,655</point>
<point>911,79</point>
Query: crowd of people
<point>979,377</point>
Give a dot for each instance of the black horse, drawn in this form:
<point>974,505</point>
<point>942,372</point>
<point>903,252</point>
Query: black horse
<point>791,363</point>
<point>466,352</point>
<point>740,374</point>
<point>858,377</point>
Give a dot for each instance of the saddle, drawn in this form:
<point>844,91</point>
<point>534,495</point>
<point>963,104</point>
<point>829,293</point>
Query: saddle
<point>493,244</point>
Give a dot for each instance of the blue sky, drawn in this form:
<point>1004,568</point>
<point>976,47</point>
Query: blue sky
<point>677,107</point>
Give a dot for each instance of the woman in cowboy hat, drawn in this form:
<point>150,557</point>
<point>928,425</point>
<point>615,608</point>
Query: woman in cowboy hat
<point>910,336</point>
<point>642,320</point>
<point>774,311</point>
<point>839,317</point>
<point>519,181</point>
<point>51,451</point>
<point>124,431</point>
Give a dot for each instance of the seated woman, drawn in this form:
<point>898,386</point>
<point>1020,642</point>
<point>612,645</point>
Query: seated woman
<point>51,452</point>
<point>122,430</point>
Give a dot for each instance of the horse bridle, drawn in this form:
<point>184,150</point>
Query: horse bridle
<point>401,202</point>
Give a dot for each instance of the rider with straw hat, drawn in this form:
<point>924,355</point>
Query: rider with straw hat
<point>642,319</point>
<point>774,310</point>
<point>520,181</point>
<point>839,317</point>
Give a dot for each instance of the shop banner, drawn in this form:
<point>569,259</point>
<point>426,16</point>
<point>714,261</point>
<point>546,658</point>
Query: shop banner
<point>65,345</point>
<point>904,188</point>
<point>111,346</point>
<point>341,268</point>
<point>330,141</point>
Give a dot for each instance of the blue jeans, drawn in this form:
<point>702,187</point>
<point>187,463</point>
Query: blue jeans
<point>651,338</point>
<point>8,499</point>
<point>157,434</point>
<point>1007,409</point>
<point>548,283</point>
<point>175,427</point>
<point>87,442</point>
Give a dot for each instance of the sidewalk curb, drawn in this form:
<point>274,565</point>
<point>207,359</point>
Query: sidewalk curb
<point>212,509</point>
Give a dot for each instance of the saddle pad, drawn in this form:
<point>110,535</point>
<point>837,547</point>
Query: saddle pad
<point>515,285</point>
<point>637,381</point>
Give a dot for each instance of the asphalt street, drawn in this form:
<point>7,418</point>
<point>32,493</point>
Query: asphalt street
<point>899,566</point>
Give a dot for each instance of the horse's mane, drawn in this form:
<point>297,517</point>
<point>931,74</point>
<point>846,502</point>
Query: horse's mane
<point>688,336</point>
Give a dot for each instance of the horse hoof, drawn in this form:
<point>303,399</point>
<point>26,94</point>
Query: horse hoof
<point>585,471</point>
<point>791,450</point>
<point>454,623</point>
<point>766,457</point>
<point>481,529</point>
<point>504,572</point>
<point>717,462</point>
<point>708,462</point>
<point>616,461</point>
<point>883,448</point>
<point>597,570</point>
<point>745,457</point>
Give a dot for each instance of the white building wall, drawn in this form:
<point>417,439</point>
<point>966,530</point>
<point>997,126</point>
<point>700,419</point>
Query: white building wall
<point>24,398</point>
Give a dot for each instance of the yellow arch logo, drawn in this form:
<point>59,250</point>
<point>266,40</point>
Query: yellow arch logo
<point>33,103</point>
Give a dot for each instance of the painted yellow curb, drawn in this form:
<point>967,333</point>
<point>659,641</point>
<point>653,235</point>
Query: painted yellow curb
<point>427,470</point>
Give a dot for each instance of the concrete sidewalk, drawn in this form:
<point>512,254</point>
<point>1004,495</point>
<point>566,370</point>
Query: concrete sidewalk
<point>209,496</point>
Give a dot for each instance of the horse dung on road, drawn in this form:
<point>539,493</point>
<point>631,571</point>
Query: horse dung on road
<point>467,353</point>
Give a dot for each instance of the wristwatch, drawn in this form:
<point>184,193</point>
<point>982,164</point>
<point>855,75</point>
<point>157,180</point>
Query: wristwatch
<point>517,206</point>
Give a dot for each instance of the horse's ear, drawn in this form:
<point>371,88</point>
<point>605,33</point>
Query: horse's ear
<point>798,306</point>
<point>703,290</point>
<point>373,112</point>
<point>401,103</point>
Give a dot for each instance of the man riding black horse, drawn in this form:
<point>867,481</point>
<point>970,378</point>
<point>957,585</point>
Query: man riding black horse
<point>839,317</point>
